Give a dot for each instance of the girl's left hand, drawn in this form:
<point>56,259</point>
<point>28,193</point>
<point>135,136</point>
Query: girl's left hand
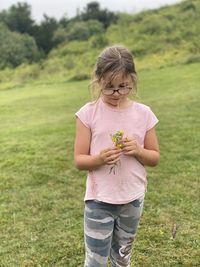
<point>131,147</point>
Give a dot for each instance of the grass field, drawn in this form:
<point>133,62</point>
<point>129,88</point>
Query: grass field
<point>41,212</point>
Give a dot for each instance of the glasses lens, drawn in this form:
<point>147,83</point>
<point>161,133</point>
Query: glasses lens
<point>125,90</point>
<point>107,91</point>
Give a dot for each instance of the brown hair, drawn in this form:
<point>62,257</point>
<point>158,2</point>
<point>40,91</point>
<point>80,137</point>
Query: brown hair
<point>114,60</point>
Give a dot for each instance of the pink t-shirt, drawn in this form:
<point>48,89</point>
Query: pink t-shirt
<point>129,181</point>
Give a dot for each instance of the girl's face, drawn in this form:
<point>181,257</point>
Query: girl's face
<point>116,92</point>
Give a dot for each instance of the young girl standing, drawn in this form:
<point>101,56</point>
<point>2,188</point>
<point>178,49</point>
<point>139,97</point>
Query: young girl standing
<point>115,140</point>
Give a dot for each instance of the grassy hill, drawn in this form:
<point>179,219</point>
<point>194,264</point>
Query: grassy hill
<point>158,38</point>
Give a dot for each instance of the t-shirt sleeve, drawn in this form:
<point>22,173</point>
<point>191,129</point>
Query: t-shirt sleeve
<point>151,120</point>
<point>83,115</point>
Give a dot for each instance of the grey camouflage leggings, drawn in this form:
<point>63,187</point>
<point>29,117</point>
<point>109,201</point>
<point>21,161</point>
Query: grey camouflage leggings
<point>109,230</point>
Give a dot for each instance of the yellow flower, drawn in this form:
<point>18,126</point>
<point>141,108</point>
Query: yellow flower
<point>117,138</point>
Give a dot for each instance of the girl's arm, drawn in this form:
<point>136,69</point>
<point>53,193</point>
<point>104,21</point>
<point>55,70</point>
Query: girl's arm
<point>82,158</point>
<point>150,154</point>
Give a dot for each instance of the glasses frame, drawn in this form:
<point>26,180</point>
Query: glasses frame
<point>116,90</point>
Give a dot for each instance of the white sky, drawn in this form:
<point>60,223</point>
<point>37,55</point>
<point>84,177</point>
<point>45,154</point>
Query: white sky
<point>59,8</point>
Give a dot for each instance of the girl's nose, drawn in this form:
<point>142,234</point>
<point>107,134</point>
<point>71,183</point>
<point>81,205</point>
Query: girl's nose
<point>116,93</point>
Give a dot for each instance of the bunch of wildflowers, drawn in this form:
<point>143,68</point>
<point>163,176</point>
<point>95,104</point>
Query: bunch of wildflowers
<point>117,139</point>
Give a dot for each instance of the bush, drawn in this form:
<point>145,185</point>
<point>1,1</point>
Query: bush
<point>155,25</point>
<point>98,41</point>
<point>83,30</point>
<point>16,48</point>
<point>80,77</point>
<point>188,6</point>
<point>193,59</point>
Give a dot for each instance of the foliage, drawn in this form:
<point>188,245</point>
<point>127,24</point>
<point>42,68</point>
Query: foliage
<point>59,35</point>
<point>193,59</point>
<point>44,33</point>
<point>83,30</point>
<point>50,32</point>
<point>16,48</point>
<point>157,38</point>
<point>79,76</point>
<point>98,41</point>
<point>160,31</point>
<point>18,18</point>
<point>94,12</point>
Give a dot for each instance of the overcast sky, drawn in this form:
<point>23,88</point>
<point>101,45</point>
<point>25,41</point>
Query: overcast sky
<point>59,8</point>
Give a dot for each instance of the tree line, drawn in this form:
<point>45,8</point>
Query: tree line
<point>22,40</point>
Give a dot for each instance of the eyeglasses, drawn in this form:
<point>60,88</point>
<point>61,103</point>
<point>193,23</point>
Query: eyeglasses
<point>121,90</point>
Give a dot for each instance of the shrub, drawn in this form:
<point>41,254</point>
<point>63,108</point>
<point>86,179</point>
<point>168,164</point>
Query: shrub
<point>80,77</point>
<point>98,41</point>
<point>16,48</point>
<point>83,30</point>
<point>193,59</point>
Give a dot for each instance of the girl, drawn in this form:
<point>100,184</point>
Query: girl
<point>116,180</point>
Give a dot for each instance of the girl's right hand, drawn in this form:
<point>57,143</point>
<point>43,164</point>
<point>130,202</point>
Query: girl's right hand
<point>110,156</point>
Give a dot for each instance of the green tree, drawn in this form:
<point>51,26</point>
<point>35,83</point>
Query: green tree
<point>94,12</point>
<point>16,48</point>
<point>44,33</point>
<point>18,18</point>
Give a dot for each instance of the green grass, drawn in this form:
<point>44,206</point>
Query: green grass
<point>41,213</point>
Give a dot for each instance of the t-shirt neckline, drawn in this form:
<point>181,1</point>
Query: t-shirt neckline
<point>115,109</point>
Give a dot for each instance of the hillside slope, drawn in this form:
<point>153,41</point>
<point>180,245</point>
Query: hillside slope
<point>157,38</point>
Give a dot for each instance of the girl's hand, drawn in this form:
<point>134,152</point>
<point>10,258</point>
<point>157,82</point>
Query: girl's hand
<point>131,147</point>
<point>110,156</point>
